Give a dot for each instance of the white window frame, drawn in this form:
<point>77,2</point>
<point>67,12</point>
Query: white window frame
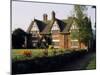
<point>55,40</point>
<point>58,41</point>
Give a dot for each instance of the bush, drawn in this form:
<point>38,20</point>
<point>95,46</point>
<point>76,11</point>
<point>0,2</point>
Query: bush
<point>50,47</point>
<point>27,53</point>
<point>46,52</point>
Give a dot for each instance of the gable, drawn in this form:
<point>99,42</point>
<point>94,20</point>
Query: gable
<point>34,27</point>
<point>74,26</point>
<point>55,26</point>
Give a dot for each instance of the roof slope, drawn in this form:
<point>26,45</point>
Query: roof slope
<point>41,25</point>
<point>45,27</point>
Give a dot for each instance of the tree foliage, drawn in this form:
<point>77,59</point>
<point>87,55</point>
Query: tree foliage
<point>18,38</point>
<point>84,24</point>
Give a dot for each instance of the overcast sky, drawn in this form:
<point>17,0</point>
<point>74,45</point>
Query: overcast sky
<point>24,12</point>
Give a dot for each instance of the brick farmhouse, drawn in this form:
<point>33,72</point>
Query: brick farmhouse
<point>59,32</point>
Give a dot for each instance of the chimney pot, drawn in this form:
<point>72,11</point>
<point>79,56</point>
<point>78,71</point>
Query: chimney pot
<point>53,15</point>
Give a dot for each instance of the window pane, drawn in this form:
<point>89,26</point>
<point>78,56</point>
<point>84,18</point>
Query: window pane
<point>56,43</point>
<point>74,44</point>
<point>55,31</point>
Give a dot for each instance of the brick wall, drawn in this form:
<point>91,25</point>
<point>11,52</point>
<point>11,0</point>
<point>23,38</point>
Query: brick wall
<point>61,37</point>
<point>65,41</point>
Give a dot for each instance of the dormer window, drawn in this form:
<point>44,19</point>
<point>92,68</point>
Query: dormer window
<point>55,28</point>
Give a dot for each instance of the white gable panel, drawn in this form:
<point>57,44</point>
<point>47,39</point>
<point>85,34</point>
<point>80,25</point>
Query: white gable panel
<point>74,26</point>
<point>35,27</point>
<point>55,26</point>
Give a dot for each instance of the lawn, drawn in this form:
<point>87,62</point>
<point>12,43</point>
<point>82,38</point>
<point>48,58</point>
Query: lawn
<point>18,54</point>
<point>92,63</point>
<point>56,59</point>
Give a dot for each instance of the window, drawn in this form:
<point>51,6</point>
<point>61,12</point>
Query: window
<point>74,43</point>
<point>54,31</point>
<point>55,40</point>
<point>56,43</point>
<point>55,36</point>
<point>34,44</point>
<point>34,33</point>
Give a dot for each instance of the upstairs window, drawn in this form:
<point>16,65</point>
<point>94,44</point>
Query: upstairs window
<point>34,33</point>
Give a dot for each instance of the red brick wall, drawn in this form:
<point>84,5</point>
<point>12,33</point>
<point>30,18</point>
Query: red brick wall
<point>65,41</point>
<point>69,41</point>
<point>61,44</point>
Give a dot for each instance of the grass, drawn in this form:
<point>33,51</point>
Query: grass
<point>17,54</point>
<point>92,63</point>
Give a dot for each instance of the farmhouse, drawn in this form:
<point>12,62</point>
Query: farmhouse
<point>58,33</point>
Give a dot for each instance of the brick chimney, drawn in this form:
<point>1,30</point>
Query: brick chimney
<point>53,15</point>
<point>45,17</point>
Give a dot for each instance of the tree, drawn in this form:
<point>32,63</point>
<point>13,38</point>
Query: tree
<point>84,24</point>
<point>18,38</point>
<point>79,11</point>
<point>86,31</point>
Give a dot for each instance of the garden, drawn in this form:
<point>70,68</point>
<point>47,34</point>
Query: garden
<point>28,54</point>
<point>42,60</point>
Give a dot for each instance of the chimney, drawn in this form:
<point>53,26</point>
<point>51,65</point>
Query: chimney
<point>45,17</point>
<point>53,15</point>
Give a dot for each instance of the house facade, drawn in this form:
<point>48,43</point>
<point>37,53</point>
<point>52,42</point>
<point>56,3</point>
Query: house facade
<point>58,33</point>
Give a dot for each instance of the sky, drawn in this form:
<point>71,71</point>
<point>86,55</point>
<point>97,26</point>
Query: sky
<point>25,12</point>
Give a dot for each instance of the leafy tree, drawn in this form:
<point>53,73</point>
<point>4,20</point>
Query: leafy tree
<point>74,34</point>
<point>86,31</point>
<point>80,13</point>
<point>18,38</point>
<point>84,24</point>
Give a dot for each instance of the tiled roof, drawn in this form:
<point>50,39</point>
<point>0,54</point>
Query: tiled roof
<point>69,22</point>
<point>50,23</point>
<point>41,25</point>
<point>45,27</point>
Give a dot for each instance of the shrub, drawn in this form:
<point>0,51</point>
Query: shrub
<point>27,53</point>
<point>50,47</point>
<point>45,52</point>
<point>54,52</point>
